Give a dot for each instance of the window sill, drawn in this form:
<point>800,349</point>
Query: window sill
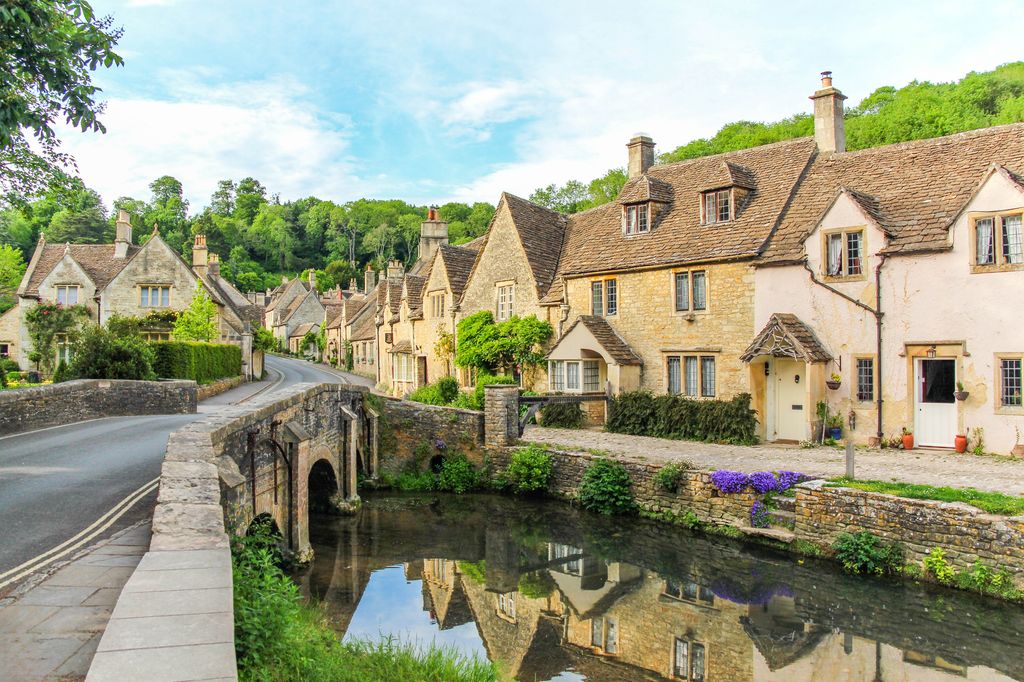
<point>839,279</point>
<point>1010,411</point>
<point>996,267</point>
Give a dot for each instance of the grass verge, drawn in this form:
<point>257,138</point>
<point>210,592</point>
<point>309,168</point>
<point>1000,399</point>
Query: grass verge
<point>993,503</point>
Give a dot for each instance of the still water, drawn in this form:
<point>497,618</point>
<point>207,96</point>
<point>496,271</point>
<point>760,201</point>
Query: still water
<point>557,594</point>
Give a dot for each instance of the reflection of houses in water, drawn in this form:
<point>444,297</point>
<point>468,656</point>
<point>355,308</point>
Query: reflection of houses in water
<point>541,609</point>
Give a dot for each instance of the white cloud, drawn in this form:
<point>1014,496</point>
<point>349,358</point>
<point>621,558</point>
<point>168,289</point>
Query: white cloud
<point>205,133</point>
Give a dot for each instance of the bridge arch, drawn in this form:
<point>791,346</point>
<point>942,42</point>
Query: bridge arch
<point>322,485</point>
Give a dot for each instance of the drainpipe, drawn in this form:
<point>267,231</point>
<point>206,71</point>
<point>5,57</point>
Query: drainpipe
<point>877,312</point>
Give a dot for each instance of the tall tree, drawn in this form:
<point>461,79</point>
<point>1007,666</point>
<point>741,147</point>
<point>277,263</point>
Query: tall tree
<point>222,202</point>
<point>249,196</point>
<point>12,268</point>
<point>49,49</point>
<point>198,322</point>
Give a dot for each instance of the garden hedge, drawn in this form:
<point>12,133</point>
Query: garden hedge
<point>201,362</point>
<point>668,416</point>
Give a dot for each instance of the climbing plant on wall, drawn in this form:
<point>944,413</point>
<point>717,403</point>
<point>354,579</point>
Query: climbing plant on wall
<point>515,343</point>
<point>48,321</point>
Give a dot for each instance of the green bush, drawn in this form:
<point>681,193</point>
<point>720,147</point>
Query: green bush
<point>201,362</point>
<point>457,475</point>
<point>448,388</point>
<point>865,553</point>
<point>8,365</point>
<point>562,416</point>
<point>671,475</point>
<point>641,413</point>
<point>937,566</point>
<point>428,395</point>
<point>605,488</point>
<point>61,374</point>
<point>101,354</point>
<point>536,585</point>
<point>529,470</point>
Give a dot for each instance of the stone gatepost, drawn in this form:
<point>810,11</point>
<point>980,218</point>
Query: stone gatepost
<point>501,415</point>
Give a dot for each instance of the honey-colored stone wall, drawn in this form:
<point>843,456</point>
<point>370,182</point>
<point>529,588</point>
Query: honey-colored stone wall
<point>156,265</point>
<point>648,322</point>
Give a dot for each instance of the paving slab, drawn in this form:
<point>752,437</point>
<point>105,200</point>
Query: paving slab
<point>25,657</point>
<point>74,619</point>
<point>167,631</point>
<point>166,664</point>
<point>23,617</point>
<point>174,603</point>
<point>57,595</point>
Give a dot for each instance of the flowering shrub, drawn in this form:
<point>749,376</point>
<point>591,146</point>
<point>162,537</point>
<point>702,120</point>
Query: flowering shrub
<point>730,481</point>
<point>764,482</point>
<point>757,592</point>
<point>759,514</point>
<point>761,481</point>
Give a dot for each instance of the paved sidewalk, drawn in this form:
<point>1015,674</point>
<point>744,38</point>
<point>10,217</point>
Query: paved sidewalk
<point>930,467</point>
<point>50,630</point>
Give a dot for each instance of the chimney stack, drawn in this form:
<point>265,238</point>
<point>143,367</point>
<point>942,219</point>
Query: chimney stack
<point>395,270</point>
<point>641,155</point>
<point>353,285</point>
<point>433,234</point>
<point>200,256</point>
<point>123,235</point>
<point>312,279</point>
<point>214,265</point>
<point>829,130</point>
<point>369,279</point>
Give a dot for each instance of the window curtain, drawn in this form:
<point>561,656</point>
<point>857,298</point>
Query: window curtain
<point>1013,250</point>
<point>984,236</point>
<point>835,254</point>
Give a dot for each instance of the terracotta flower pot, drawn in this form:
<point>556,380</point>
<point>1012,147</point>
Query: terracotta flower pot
<point>908,441</point>
<point>960,443</point>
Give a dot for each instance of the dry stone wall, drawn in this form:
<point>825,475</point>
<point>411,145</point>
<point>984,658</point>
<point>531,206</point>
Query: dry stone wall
<point>37,407</point>
<point>410,431</point>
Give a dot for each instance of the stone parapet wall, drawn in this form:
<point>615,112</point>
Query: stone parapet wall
<point>410,431</point>
<point>219,386</point>
<point>25,409</point>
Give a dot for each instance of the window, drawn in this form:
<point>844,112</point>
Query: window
<point>156,336</point>
<point>572,376</point>
<point>636,219</point>
<point>403,367</point>
<point>604,297</point>
<point>865,379</point>
<point>556,375</point>
<point>1010,382</point>
<point>604,634</point>
<point>691,290</point>
<point>63,349</point>
<point>844,252</point>
<point>67,294</point>
<point>591,376</point>
<point>507,605</point>
<point>155,297</point>
<point>998,240</point>
<point>505,298</point>
<point>437,305</point>
<point>5,350</point>
<point>688,660</point>
<point>717,207</point>
<point>689,591</point>
<point>690,375</point>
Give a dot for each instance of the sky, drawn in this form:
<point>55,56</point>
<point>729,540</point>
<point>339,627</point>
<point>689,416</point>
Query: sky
<point>449,100</point>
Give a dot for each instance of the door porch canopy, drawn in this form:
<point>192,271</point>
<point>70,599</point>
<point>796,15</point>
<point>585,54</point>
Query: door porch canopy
<point>786,336</point>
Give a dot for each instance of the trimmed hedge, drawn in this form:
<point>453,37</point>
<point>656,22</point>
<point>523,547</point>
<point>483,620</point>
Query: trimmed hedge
<point>562,416</point>
<point>201,362</point>
<point>668,416</point>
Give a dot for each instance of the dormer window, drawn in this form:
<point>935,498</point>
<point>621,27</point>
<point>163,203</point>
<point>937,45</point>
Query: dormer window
<point>636,219</point>
<point>844,253</point>
<point>998,241</point>
<point>717,206</point>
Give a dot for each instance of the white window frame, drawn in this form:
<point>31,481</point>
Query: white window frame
<point>710,206</point>
<point>604,635</point>
<point>1004,255</point>
<point>507,605</point>
<point>505,299</point>
<point>636,219</point>
<point>556,376</point>
<point>67,290</point>
<point>684,670</point>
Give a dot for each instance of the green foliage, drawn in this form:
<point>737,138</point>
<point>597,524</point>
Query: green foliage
<point>442,392</point>
<point>935,565</point>
<point>562,416</point>
<point>865,553</point>
<point>667,416</point>
<point>529,470</point>
<point>45,322</point>
<point>606,488</point>
<point>101,354</point>
<point>670,476</point>
<point>61,374</point>
<point>349,358</point>
<point>574,196</point>
<point>201,362</point>
<point>12,267</point>
<point>489,346</point>
<point>198,322</point>
<point>263,339</point>
<point>536,585</point>
<point>993,503</point>
<point>474,570</point>
<point>457,475</point>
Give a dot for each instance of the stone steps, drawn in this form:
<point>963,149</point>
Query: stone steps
<point>781,518</point>
<point>779,534</point>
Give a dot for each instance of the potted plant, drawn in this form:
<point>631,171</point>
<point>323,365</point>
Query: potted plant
<point>960,441</point>
<point>1018,449</point>
<point>834,381</point>
<point>960,394</point>
<point>908,439</point>
<point>835,426</point>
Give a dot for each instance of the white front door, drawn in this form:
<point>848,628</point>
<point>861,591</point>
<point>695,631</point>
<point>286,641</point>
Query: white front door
<point>790,400</point>
<point>935,405</point>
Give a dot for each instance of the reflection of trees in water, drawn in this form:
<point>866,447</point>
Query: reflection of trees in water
<point>576,567</point>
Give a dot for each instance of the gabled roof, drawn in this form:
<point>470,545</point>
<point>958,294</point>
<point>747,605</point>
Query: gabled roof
<point>645,188</point>
<point>541,232</point>
<point>594,241</point>
<point>297,303</point>
<point>786,336</point>
<point>920,187</point>
<point>606,336</point>
<point>302,329</point>
<point>458,262</point>
<point>97,260</point>
<point>333,316</point>
<point>364,329</point>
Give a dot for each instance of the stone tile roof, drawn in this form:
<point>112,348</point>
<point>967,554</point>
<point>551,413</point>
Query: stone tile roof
<point>917,189</point>
<point>458,262</point>
<point>403,346</point>
<point>555,293</point>
<point>786,335</point>
<point>365,329</point>
<point>645,188</point>
<point>97,260</point>
<point>608,338</point>
<point>541,232</point>
<point>594,241</point>
<point>333,315</point>
<point>302,329</point>
<point>394,295</point>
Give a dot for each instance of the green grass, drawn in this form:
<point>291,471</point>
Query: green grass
<point>993,503</point>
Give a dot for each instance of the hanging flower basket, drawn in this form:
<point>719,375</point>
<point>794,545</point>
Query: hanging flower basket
<point>832,384</point>
<point>961,395</point>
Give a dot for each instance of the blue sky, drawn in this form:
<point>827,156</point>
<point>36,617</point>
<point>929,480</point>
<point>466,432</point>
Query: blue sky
<point>439,100</point>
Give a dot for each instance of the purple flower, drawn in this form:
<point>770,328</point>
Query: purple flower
<point>788,479</point>
<point>729,481</point>
<point>440,444</point>
<point>764,482</point>
<point>759,515</point>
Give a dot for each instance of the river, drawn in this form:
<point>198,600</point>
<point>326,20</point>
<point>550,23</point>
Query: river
<point>553,593</point>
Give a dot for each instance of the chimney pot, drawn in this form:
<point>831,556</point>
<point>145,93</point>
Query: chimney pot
<point>826,79</point>
<point>641,154</point>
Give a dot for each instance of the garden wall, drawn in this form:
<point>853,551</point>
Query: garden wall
<point>409,432</point>
<point>36,407</point>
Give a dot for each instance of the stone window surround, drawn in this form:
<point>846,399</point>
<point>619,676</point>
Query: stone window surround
<point>874,375</point>
<point>437,298</point>
<point>997,238</point>
<point>703,197</point>
<point>700,354</point>
<point>825,234</point>
<point>698,602</point>
<point>67,290</point>
<point>648,208</point>
<point>997,393</point>
<point>603,647</point>
<point>690,310</point>
<point>509,284</point>
<point>689,658</point>
<point>603,281</point>
<point>157,286</point>
<point>506,606</point>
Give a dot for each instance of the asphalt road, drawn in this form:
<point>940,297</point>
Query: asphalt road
<point>57,482</point>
